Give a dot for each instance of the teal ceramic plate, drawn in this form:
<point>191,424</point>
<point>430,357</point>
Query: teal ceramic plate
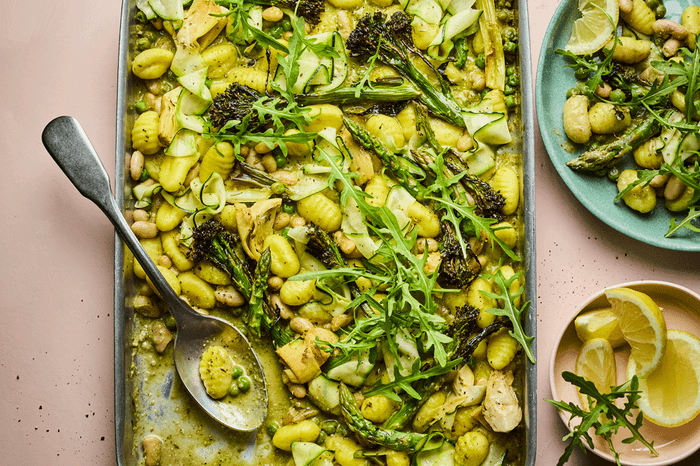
<point>596,194</point>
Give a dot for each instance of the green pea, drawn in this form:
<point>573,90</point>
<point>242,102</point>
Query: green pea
<point>502,15</point>
<point>660,11</point>
<point>329,426</point>
<point>286,24</point>
<point>342,430</point>
<point>141,17</point>
<point>581,74</point>
<point>142,106</point>
<point>169,320</point>
<point>510,101</point>
<point>582,88</point>
<point>480,61</point>
<point>272,428</point>
<point>285,234</point>
<point>278,188</point>
<point>144,176</point>
<point>276,31</point>
<point>288,208</point>
<point>234,390</point>
<point>652,3</point>
<point>513,80</point>
<point>510,47</point>
<point>508,90</point>
<point>617,96</point>
<point>510,71</point>
<point>244,383</point>
<point>142,43</point>
<point>281,160</point>
<point>237,371</point>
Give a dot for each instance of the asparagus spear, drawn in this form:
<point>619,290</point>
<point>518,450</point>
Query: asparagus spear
<point>349,95</point>
<point>400,441</point>
<point>258,287</point>
<point>600,159</point>
<point>397,165</point>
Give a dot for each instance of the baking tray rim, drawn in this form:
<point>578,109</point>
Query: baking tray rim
<point>122,415</point>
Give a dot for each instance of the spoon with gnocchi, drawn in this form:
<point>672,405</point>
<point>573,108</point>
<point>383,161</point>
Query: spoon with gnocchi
<point>201,340</point>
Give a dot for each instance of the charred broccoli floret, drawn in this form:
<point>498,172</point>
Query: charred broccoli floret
<point>456,270</point>
<point>393,43</point>
<point>464,325</point>
<point>310,10</point>
<point>211,241</point>
<point>234,104</point>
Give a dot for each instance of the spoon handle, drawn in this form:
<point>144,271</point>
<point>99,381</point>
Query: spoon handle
<point>71,149</point>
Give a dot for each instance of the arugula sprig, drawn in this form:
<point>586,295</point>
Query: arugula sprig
<point>242,28</point>
<point>605,417</point>
<point>409,304</point>
<point>509,309</point>
<point>239,133</point>
<point>405,382</point>
<point>289,64</point>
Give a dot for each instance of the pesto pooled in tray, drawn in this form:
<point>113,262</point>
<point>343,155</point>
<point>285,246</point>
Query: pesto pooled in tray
<point>342,181</point>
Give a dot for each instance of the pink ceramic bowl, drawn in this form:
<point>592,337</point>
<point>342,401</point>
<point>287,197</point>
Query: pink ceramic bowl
<point>681,310</point>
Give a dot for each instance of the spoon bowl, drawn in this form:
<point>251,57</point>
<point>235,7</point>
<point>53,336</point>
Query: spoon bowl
<point>71,149</point>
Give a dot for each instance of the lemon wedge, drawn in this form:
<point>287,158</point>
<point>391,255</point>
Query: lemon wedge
<point>593,30</point>
<point>596,363</point>
<point>642,325</point>
<point>671,393</point>
<point>600,323</point>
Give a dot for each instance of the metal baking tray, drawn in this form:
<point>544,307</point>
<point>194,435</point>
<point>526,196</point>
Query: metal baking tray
<point>141,404</point>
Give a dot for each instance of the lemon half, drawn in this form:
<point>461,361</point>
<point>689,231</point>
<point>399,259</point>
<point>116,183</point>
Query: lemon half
<point>593,30</point>
<point>642,325</point>
<point>671,393</point>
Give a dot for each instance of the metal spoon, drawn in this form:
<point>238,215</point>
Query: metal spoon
<point>71,149</point>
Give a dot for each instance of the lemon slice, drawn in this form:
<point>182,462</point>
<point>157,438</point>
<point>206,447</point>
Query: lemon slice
<point>596,363</point>
<point>642,325</point>
<point>593,30</point>
<point>600,323</point>
<point>671,394</point>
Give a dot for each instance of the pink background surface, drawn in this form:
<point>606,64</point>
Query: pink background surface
<point>56,248</point>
